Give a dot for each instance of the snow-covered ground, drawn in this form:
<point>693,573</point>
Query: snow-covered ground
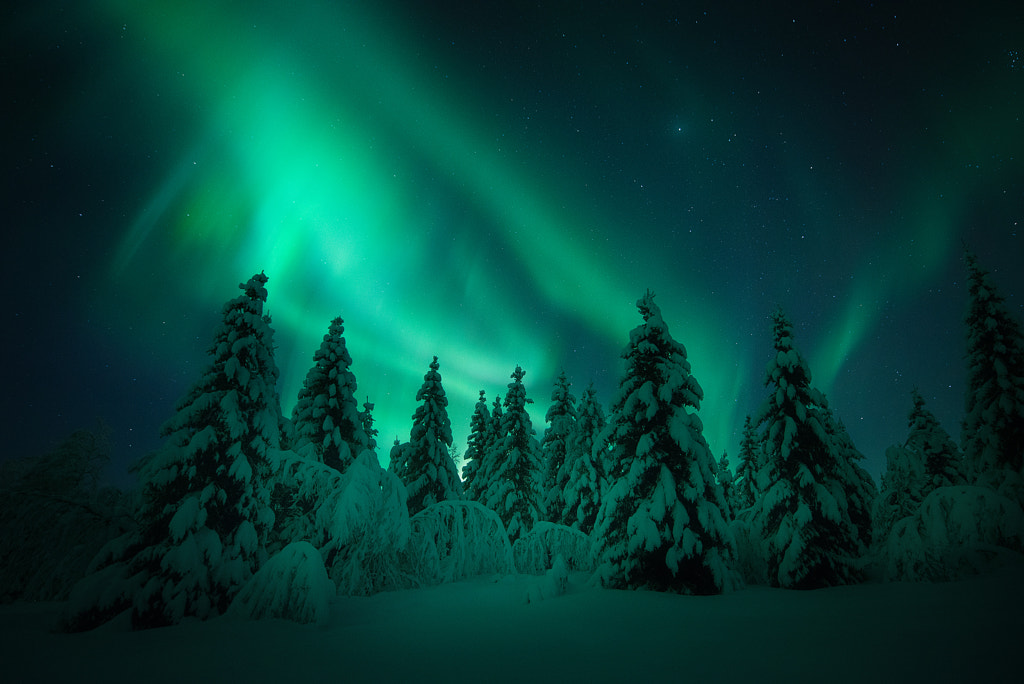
<point>483,630</point>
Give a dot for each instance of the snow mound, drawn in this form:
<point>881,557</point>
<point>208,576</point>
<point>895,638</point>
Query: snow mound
<point>554,584</point>
<point>536,551</point>
<point>957,532</point>
<point>452,540</point>
<point>292,585</point>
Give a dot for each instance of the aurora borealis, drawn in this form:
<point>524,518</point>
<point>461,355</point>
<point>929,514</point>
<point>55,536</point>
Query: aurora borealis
<point>497,184</point>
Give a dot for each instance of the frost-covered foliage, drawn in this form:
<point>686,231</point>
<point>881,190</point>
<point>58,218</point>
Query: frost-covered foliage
<point>357,519</point>
<point>207,514</point>
<point>803,517</point>
<point>554,584</point>
<point>858,484</point>
<point>744,486</point>
<point>535,551</point>
<point>555,445</point>
<point>453,540</point>
<point>366,419</point>
<point>993,427</point>
<point>55,516</point>
<point>326,419</point>
<point>426,467</point>
<point>724,476</point>
<point>291,585</point>
<point>513,468</point>
<point>586,479</point>
<point>927,460</point>
<point>661,523</point>
<point>956,532</point>
<point>476,447</point>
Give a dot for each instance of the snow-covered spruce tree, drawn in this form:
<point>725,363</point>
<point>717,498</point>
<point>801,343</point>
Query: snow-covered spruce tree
<point>513,464</point>
<point>744,486</point>
<point>928,459</point>
<point>661,523</point>
<point>802,516</point>
<point>366,419</point>
<point>207,510</point>
<point>858,484</point>
<point>586,480</point>
<point>476,444</point>
<point>993,429</point>
<point>723,474</point>
<point>489,447</point>
<point>561,419</point>
<point>429,473</point>
<point>327,424</point>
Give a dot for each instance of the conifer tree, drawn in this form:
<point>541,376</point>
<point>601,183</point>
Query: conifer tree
<point>327,423</point>
<point>206,514</point>
<point>429,473</point>
<point>745,490</point>
<point>661,524</point>
<point>489,451</point>
<point>586,480</point>
<point>928,459</point>
<point>860,489</point>
<point>366,420</point>
<point>993,428</point>
<point>724,476</point>
<point>802,516</point>
<point>561,419</point>
<point>476,446</point>
<point>513,464</point>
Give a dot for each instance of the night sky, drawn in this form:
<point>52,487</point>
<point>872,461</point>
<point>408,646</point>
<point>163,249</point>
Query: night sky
<point>497,184</point>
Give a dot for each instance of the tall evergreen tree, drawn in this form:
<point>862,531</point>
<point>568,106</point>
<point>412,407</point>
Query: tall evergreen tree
<point>476,446</point>
<point>857,483</point>
<point>513,464</point>
<point>429,473</point>
<point>207,508</point>
<point>366,420</point>
<point>661,524</point>
<point>561,419</point>
<point>803,515</point>
<point>586,481</point>
<point>723,474</point>
<point>327,423</point>
<point>490,451</point>
<point>745,489</point>
<point>993,428</point>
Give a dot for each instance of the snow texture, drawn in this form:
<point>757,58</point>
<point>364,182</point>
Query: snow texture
<point>554,584</point>
<point>452,540</point>
<point>536,551</point>
<point>291,585</point>
<point>958,531</point>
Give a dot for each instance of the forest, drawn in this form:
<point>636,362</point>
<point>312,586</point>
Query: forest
<point>245,511</point>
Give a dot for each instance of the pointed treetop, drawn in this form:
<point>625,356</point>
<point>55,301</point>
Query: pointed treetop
<point>255,287</point>
<point>648,309</point>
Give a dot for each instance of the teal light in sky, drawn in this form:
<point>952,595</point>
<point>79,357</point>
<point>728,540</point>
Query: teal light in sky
<point>321,138</point>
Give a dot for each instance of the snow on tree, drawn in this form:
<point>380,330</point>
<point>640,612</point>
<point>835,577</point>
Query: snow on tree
<point>803,516</point>
<point>326,420</point>
<point>292,585</point>
<point>476,447</point>
<point>955,532</point>
<point>366,419</point>
<point>358,520</point>
<point>452,540</point>
<point>723,474</point>
<point>857,483</point>
<point>744,486</point>
<point>513,464</point>
<point>207,514</point>
<point>586,480</point>
<point>661,524</point>
<point>561,419</point>
<point>993,428</point>
<point>428,471</point>
<point>927,460</point>
<point>535,552</point>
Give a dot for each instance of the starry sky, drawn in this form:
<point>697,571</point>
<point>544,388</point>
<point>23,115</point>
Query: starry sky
<point>497,184</point>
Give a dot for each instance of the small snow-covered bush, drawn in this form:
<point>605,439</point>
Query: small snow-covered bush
<point>957,531</point>
<point>554,584</point>
<point>292,585</point>
<point>452,540</point>
<point>358,519</point>
<point>536,551</point>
